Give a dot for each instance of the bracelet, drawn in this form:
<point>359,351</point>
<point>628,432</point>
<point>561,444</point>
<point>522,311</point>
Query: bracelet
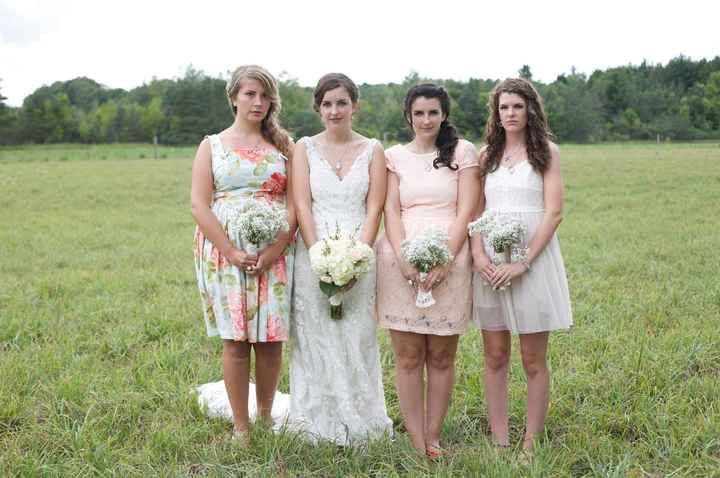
<point>526,264</point>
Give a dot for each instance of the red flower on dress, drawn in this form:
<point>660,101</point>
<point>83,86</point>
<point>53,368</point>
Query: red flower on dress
<point>276,332</point>
<point>279,269</point>
<point>236,308</point>
<point>263,289</point>
<point>217,258</point>
<point>199,241</point>
<point>251,155</point>
<point>275,186</point>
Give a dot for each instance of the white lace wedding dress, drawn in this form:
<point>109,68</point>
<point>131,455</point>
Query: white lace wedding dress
<point>336,390</point>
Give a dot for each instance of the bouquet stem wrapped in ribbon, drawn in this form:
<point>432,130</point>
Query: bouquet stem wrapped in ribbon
<point>339,260</point>
<point>424,253</point>
<point>503,234</point>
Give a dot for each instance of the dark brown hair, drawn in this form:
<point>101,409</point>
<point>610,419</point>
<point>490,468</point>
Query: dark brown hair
<point>330,82</point>
<point>537,132</point>
<point>448,137</point>
<point>270,127</point>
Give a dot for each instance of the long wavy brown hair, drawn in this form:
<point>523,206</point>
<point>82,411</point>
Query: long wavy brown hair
<point>270,127</point>
<point>537,132</point>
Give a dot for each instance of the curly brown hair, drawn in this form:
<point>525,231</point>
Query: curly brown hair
<point>270,127</point>
<point>537,132</point>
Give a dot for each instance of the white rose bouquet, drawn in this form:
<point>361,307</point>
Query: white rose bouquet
<point>258,223</point>
<point>338,260</point>
<point>504,234</point>
<point>424,253</point>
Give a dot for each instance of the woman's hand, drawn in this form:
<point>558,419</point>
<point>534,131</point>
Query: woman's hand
<point>241,259</point>
<point>266,258</point>
<point>483,265</point>
<point>507,272</point>
<point>409,272</point>
<point>435,277</point>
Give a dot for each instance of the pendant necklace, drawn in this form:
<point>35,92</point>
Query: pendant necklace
<point>428,162</point>
<point>508,157</point>
<point>339,162</point>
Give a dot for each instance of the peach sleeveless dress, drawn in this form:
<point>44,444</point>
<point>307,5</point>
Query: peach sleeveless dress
<point>428,200</point>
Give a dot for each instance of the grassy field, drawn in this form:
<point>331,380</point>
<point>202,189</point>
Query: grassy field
<point>102,339</point>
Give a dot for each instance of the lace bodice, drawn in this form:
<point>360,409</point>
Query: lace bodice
<point>515,189</point>
<point>336,200</point>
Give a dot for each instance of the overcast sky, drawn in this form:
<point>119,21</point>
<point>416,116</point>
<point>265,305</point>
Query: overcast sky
<point>123,44</point>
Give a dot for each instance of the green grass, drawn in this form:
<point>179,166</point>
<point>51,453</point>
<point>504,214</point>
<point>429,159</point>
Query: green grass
<point>102,339</point>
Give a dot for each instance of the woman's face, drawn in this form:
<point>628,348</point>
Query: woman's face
<point>251,101</point>
<point>513,112</point>
<point>426,115</point>
<point>337,108</point>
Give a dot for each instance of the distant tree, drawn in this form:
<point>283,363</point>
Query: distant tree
<point>679,100</point>
<point>8,121</point>
<point>574,110</point>
<point>297,115</point>
<point>712,97</point>
<point>525,72</point>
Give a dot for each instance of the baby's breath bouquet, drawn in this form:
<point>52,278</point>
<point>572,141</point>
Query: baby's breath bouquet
<point>424,253</point>
<point>337,260</point>
<point>503,234</point>
<point>258,222</point>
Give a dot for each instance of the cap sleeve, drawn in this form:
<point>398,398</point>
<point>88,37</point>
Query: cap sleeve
<point>468,157</point>
<point>390,159</point>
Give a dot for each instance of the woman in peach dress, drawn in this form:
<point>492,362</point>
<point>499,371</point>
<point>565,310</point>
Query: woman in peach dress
<point>434,184</point>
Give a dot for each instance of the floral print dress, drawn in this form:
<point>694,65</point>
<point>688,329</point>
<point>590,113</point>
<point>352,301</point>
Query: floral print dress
<point>236,305</point>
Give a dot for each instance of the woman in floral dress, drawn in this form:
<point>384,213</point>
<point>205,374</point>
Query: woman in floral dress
<point>245,298</point>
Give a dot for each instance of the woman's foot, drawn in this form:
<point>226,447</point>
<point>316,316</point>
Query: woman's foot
<point>265,421</point>
<point>526,454</point>
<point>242,437</point>
<point>435,452</point>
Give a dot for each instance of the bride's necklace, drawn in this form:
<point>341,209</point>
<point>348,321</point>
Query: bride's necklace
<point>338,164</point>
<point>507,158</point>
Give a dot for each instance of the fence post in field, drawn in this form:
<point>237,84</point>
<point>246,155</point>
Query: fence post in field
<point>155,146</point>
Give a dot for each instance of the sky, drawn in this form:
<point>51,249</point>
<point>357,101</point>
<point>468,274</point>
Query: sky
<point>124,44</point>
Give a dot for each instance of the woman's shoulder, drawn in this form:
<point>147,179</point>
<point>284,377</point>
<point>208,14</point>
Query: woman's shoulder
<point>395,149</point>
<point>464,146</point>
<point>554,148</point>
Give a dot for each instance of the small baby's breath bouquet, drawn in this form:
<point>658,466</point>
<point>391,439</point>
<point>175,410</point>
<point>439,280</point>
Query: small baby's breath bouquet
<point>258,222</point>
<point>424,253</point>
<point>337,260</point>
<point>503,234</point>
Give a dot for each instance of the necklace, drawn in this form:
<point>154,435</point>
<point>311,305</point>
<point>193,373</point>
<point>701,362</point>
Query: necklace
<point>339,162</point>
<point>508,157</point>
<point>256,147</point>
<point>428,162</point>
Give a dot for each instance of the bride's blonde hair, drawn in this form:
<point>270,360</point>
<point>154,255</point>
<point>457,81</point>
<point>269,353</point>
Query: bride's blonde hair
<point>270,127</point>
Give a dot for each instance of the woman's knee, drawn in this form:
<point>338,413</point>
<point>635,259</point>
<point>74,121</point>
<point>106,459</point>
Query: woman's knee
<point>442,359</point>
<point>534,364</point>
<point>497,358</point>
<point>409,358</point>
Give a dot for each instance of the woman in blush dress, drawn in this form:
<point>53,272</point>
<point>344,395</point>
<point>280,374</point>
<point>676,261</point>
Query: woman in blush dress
<point>522,180</point>
<point>433,184</point>
<point>245,297</point>
<point>336,390</point>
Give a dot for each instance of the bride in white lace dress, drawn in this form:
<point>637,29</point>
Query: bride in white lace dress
<point>339,176</point>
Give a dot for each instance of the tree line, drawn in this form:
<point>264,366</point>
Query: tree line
<point>679,101</point>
